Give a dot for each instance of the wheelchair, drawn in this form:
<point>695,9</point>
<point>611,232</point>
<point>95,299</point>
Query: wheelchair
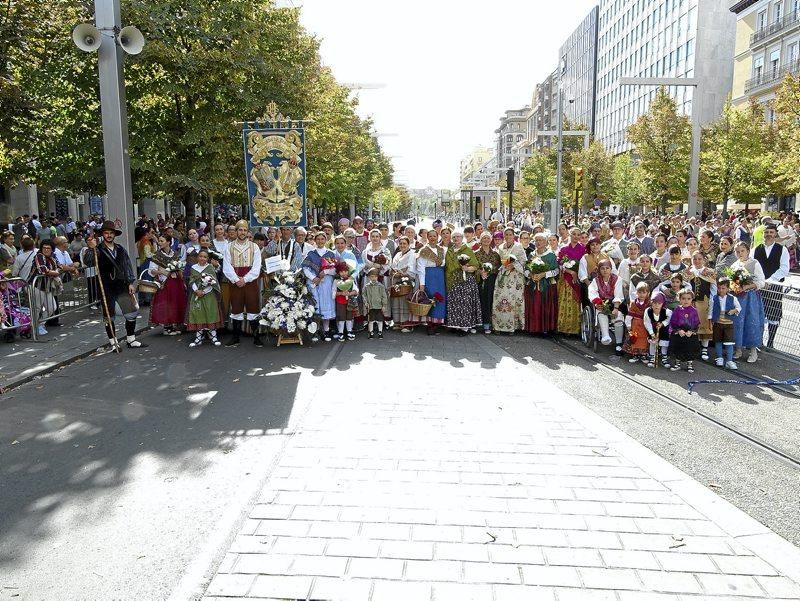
<point>590,329</point>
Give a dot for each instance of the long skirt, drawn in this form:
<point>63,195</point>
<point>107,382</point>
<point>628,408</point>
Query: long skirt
<point>705,331</point>
<point>569,309</point>
<point>400,313</point>
<point>541,308</point>
<point>323,297</point>
<point>464,305</point>
<point>169,303</point>
<point>204,312</point>
<point>684,348</point>
<point>486,295</point>
<point>434,282</point>
<point>748,326</point>
<point>636,343</point>
<point>508,311</point>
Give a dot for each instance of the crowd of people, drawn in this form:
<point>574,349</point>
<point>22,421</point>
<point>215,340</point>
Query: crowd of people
<point>666,290</point>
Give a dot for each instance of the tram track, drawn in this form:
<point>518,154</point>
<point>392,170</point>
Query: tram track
<point>773,451</point>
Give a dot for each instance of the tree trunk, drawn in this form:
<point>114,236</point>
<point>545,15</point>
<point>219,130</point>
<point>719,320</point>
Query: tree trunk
<point>725,207</point>
<point>188,200</point>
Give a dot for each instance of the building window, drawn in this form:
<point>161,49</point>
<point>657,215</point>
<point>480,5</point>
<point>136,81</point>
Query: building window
<point>774,62</point>
<point>758,68</point>
<point>793,55</point>
<point>761,21</point>
<point>777,12</point>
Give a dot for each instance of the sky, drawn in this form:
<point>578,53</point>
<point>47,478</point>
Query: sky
<point>449,69</point>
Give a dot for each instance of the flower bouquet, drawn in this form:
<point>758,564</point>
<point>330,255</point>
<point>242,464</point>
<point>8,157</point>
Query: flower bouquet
<point>536,265</point>
<point>175,268</point>
<point>570,264</point>
<point>606,307</point>
<point>213,255</point>
<point>487,268</point>
<point>463,260</point>
<point>380,259</point>
<point>739,278</point>
<point>326,265</point>
<point>290,309</point>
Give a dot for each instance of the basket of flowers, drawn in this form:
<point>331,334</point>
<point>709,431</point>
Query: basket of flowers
<point>420,304</point>
<point>401,285</point>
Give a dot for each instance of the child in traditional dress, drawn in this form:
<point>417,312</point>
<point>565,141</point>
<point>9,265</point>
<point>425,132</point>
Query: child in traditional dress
<point>376,302</point>
<point>204,304</point>
<point>683,325</point>
<point>670,290</point>
<point>656,322</point>
<point>636,345</point>
<point>721,309</point>
<point>345,297</point>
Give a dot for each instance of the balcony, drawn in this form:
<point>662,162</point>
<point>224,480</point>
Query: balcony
<point>763,34</point>
<point>769,77</point>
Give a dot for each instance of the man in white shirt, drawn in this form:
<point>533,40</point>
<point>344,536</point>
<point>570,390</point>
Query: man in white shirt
<point>774,261</point>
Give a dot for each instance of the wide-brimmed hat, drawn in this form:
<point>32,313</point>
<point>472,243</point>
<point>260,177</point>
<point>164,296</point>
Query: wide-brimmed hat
<point>109,226</point>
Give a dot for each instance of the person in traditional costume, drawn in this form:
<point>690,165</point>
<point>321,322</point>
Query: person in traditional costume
<point>703,281</point>
<point>587,268</point>
<point>168,308</point>
<point>707,246</point>
<point>345,297</point>
<point>726,256</point>
<point>404,265</point>
<point>644,272</point>
<point>346,256</point>
<point>569,285</point>
<point>748,325</point>
<point>242,268</point>
<point>526,244</point>
<point>463,297</point>
<point>656,322</point>
<point>431,278</point>
<point>470,238</point>
<point>605,293</point>
<point>773,257</point>
<point>683,326</point>
<point>636,345</point>
<point>489,259</point>
<point>376,302</point>
<point>319,268</point>
<point>204,301</point>
<point>722,310</point>
<point>541,292</point>
<point>675,265</point>
<point>376,255</point>
<point>508,307</point>
<point>660,255</point>
<point>671,290</point>
<point>118,282</point>
<point>45,289</point>
<point>627,267</point>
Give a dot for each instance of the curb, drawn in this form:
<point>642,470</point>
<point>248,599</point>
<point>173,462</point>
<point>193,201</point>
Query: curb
<point>16,383</point>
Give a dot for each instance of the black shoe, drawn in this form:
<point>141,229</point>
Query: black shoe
<point>136,344</point>
<point>371,335</point>
<point>237,330</point>
<point>257,341</point>
<point>254,326</point>
<point>380,335</point>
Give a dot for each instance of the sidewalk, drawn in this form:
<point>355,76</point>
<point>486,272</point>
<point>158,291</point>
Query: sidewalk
<point>80,334</point>
<point>385,494</point>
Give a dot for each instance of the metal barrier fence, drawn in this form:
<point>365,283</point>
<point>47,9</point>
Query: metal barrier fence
<point>787,334</point>
<point>77,292</point>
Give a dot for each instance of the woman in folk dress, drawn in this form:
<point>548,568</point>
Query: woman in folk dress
<point>430,273</point>
<point>404,264</point>
<point>508,311</point>
<point>569,286</point>
<point>204,301</point>
<point>464,305</point>
<point>486,254</point>
<point>319,267</point>
<point>169,303</point>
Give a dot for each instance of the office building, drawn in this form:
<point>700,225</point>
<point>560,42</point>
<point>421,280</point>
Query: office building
<point>512,130</point>
<point>578,70</point>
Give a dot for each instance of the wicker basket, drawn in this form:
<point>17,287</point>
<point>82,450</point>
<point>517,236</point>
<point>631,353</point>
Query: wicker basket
<point>399,290</point>
<point>417,308</point>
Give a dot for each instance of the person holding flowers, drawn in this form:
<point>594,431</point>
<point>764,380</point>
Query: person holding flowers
<point>489,260</point>
<point>464,305</point>
<point>430,271</point>
<point>169,303</point>
<point>508,311</point>
<point>403,274</point>
<point>541,297</point>
<point>345,297</point>
<point>569,285</point>
<point>747,279</point>
<point>605,293</point>
<point>205,315</point>
<point>319,267</point>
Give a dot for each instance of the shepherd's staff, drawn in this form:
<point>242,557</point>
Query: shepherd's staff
<point>791,382</point>
<point>107,315</point>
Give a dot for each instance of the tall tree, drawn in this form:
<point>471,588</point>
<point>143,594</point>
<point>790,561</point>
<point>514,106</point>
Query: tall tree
<point>539,174</point>
<point>787,130</point>
<point>663,140</point>
<point>735,162</point>
<point>628,182</point>
<point>597,165</point>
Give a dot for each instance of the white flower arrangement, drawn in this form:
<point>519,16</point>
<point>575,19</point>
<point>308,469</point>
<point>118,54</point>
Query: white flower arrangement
<point>290,309</point>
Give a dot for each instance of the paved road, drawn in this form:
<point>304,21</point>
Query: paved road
<point>147,463</point>
<point>115,473</point>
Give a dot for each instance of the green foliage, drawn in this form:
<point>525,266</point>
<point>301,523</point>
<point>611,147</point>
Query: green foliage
<point>663,140</point>
<point>539,173</point>
<point>735,162</point>
<point>597,165</point>
<point>787,134</point>
<point>394,200</point>
<point>207,64</point>
<point>627,181</point>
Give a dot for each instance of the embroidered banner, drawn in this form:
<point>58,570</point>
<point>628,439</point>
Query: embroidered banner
<point>275,168</point>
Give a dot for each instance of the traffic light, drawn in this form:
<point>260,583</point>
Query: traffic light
<point>510,180</point>
<point>579,178</point>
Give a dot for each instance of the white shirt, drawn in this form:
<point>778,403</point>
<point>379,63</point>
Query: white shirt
<point>783,270</point>
<point>62,257</point>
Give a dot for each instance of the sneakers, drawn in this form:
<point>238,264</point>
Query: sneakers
<point>338,337</point>
<point>704,353</point>
<point>327,337</point>
<point>41,331</point>
<point>315,338</point>
<point>633,360</point>
<point>665,362</point>
<point>753,356</point>
<point>380,336</point>
<point>651,362</point>
<point>351,336</point>
<point>171,332</point>
<point>737,354</point>
<point>675,366</point>
<point>719,361</point>
<point>371,335</point>
<point>690,367</point>
<point>731,365</point>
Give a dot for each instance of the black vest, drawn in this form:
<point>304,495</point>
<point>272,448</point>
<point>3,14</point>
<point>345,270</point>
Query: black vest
<point>769,263</point>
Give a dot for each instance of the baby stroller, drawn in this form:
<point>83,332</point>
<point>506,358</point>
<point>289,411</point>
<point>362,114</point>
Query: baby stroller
<point>14,317</point>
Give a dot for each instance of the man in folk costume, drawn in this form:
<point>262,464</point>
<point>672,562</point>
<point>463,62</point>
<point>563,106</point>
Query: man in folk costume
<point>774,260</point>
<point>118,283</point>
<point>242,267</point>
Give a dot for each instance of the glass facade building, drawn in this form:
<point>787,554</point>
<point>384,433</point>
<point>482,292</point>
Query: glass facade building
<point>577,65</point>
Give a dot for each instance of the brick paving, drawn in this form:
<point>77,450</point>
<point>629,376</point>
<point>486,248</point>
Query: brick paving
<point>486,484</point>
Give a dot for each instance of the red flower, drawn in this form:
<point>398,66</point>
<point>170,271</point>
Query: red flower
<point>597,301</point>
<point>438,297</point>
